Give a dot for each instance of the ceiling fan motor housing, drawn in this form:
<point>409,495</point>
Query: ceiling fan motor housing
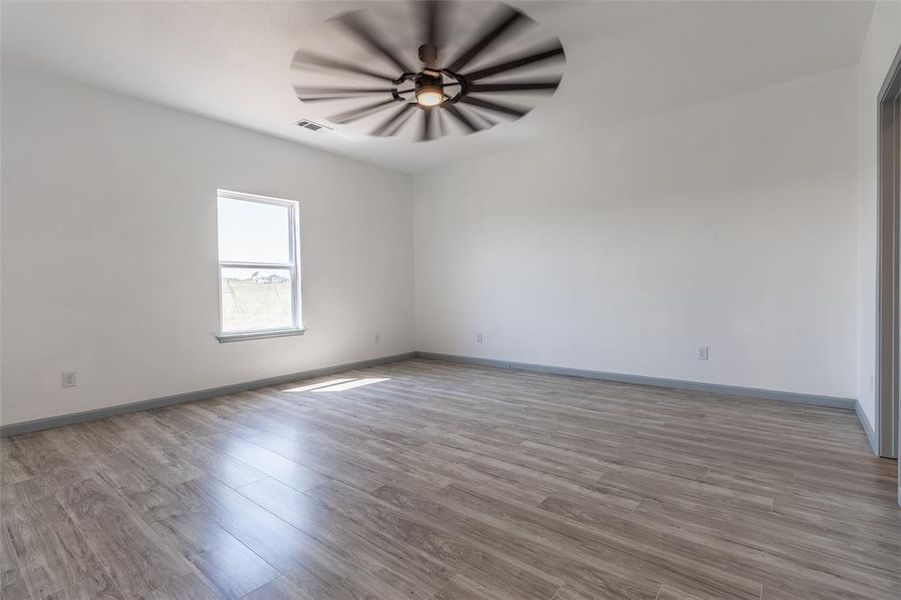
<point>428,54</point>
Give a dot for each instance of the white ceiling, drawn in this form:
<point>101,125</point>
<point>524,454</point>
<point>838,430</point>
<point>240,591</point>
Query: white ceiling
<point>231,60</point>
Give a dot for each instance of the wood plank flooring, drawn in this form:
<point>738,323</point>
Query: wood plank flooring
<point>429,480</point>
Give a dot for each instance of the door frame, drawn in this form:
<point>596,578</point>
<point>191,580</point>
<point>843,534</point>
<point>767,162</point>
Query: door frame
<point>888,279</point>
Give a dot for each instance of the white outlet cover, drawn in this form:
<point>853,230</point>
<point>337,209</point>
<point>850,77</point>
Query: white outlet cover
<point>703,353</point>
<point>70,379</point>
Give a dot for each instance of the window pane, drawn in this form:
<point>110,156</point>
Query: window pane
<point>253,232</point>
<point>255,299</point>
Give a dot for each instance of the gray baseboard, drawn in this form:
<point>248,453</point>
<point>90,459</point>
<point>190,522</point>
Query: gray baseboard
<point>102,413</point>
<point>867,429</point>
<point>679,384</point>
<point>132,407</point>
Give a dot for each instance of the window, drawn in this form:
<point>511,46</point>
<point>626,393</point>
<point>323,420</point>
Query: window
<point>259,285</point>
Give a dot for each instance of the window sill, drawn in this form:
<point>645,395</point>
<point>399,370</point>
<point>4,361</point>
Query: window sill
<point>258,335</point>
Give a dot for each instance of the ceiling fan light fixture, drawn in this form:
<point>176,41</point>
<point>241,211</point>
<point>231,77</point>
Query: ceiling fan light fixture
<point>428,97</point>
<point>429,90</point>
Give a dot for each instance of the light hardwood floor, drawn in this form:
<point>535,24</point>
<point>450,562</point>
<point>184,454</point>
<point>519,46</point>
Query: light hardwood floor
<point>433,480</point>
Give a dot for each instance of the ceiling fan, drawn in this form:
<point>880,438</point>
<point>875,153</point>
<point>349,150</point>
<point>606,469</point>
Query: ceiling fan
<point>439,84</point>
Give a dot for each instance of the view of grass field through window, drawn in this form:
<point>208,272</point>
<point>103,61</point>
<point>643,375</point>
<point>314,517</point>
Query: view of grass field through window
<point>256,299</point>
<point>256,264</point>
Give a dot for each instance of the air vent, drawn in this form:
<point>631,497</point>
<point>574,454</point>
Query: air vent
<point>313,126</point>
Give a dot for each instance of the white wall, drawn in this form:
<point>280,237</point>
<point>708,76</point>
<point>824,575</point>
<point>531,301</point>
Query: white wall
<point>730,224</point>
<point>109,251</point>
<point>878,52</point>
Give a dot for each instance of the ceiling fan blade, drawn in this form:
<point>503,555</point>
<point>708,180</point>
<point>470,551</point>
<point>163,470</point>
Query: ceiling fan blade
<point>425,133</point>
<point>430,11</point>
<point>516,86</point>
<point>408,115</point>
<point>462,117</point>
<point>506,109</point>
<point>350,116</point>
<point>442,123</point>
<point>337,93</point>
<point>528,59</point>
<point>329,98</point>
<point>392,119</point>
<point>340,90</point>
<point>356,25</point>
<point>433,14</point>
<point>505,19</point>
<point>302,59</point>
<point>488,120</point>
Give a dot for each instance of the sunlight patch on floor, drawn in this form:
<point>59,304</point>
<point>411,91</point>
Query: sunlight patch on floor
<point>338,385</point>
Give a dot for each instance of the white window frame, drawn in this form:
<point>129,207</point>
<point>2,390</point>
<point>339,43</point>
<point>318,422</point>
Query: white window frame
<point>292,266</point>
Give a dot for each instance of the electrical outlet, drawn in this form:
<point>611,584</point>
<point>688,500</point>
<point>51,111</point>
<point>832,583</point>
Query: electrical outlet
<point>702,353</point>
<point>69,379</point>
<point>378,338</point>
<point>480,337</point>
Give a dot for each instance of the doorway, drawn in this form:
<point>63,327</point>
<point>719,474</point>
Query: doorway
<point>888,358</point>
